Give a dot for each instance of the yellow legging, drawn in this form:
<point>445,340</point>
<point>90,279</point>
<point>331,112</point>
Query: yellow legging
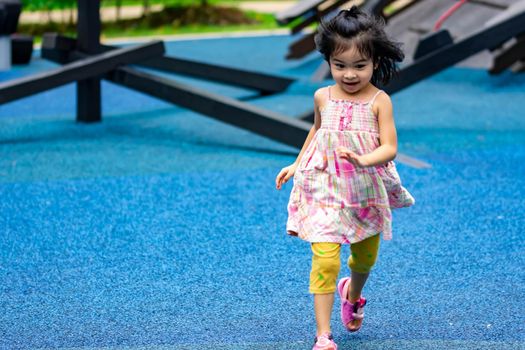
<point>326,262</point>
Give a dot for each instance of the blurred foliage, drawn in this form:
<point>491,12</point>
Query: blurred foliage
<point>34,5</point>
<point>46,5</point>
<point>171,20</point>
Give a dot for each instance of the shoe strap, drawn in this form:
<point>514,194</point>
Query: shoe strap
<point>327,336</point>
<point>358,309</point>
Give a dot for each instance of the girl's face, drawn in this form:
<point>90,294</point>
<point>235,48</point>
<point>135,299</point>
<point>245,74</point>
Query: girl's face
<point>351,71</point>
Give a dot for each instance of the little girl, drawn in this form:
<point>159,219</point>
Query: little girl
<point>345,181</point>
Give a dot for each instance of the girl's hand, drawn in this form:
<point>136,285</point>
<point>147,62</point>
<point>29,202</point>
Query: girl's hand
<point>351,156</point>
<point>284,175</point>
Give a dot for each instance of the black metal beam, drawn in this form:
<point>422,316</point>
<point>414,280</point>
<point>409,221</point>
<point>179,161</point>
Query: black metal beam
<point>301,47</point>
<point>76,71</point>
<point>88,26</point>
<point>89,105</point>
<point>508,56</point>
<point>289,131</point>
<point>265,83</point>
<point>57,48</point>
<point>272,125</point>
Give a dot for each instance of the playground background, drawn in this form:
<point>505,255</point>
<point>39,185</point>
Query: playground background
<point>161,229</point>
<point>134,18</point>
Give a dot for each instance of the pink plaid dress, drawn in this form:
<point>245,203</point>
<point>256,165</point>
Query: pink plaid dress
<point>334,201</point>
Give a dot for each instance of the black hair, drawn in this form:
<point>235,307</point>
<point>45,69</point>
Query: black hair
<point>355,28</point>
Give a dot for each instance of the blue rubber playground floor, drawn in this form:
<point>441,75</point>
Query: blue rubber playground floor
<point>161,229</point>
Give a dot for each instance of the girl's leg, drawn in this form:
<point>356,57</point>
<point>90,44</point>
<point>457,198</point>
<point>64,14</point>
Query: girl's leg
<point>356,286</point>
<point>325,268</point>
<point>361,261</point>
<point>323,305</point>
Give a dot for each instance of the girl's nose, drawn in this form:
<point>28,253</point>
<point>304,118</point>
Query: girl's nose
<point>349,75</point>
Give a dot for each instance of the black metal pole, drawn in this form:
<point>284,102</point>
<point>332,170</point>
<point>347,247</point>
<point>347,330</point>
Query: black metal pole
<point>89,107</point>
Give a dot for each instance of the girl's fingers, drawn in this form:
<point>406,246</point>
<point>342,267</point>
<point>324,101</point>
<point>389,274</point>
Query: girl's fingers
<point>287,176</point>
<point>284,175</point>
<point>351,155</point>
<point>278,179</point>
<point>344,154</point>
<point>281,178</point>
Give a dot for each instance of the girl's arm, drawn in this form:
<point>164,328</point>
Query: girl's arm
<point>387,137</point>
<point>286,173</point>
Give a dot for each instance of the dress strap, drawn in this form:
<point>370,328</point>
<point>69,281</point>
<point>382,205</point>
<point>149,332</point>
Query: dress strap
<point>329,92</point>
<point>374,97</point>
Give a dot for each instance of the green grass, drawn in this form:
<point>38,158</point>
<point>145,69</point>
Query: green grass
<point>172,21</point>
<point>31,5</point>
<point>112,30</point>
<point>182,30</point>
<point>111,3</point>
<point>266,22</point>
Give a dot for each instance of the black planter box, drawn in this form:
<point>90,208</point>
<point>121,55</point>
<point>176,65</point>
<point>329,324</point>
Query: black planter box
<point>9,14</point>
<point>21,48</point>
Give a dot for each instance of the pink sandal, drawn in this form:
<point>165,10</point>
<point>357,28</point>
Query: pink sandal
<point>350,311</point>
<point>325,342</point>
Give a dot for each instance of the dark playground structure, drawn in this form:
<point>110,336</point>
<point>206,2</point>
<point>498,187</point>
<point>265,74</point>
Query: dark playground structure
<point>21,45</point>
<point>498,26</point>
<point>160,228</point>
<point>474,26</point>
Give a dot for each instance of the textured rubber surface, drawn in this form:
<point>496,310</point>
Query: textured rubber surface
<point>161,229</point>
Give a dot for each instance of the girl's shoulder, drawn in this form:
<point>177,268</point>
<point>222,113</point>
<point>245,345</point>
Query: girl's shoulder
<point>321,96</point>
<point>380,96</point>
<point>322,93</point>
<point>381,100</point>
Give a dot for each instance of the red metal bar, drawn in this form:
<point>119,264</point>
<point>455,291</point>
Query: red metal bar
<point>448,13</point>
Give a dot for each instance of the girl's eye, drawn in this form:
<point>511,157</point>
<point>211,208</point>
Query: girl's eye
<point>339,65</point>
<point>360,66</point>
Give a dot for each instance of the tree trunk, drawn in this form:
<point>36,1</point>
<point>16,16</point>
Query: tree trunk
<point>118,8</point>
<point>145,10</point>
<point>72,12</point>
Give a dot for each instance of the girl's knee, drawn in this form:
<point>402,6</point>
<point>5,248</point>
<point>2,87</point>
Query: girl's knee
<point>361,264</point>
<point>364,255</point>
<point>325,267</point>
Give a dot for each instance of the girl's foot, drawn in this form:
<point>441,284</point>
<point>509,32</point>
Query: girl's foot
<point>352,313</point>
<point>325,342</point>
